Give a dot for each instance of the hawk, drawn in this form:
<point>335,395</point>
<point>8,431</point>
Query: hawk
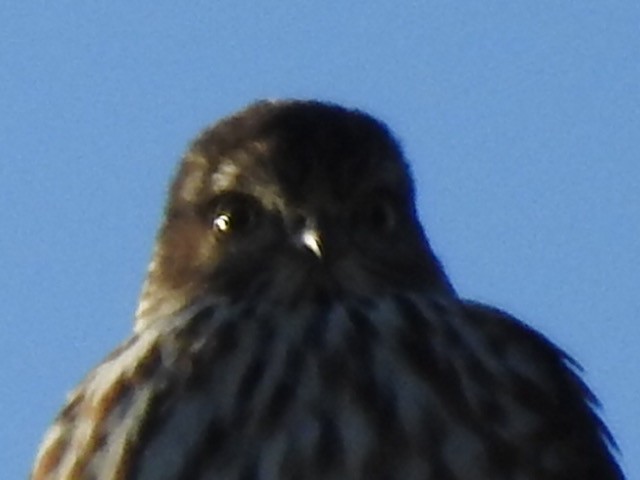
<point>296,324</point>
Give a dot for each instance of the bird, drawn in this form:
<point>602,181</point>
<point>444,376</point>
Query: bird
<point>295,323</point>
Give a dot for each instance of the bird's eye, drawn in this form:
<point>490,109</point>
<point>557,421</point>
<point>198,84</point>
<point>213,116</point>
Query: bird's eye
<point>378,215</point>
<point>234,214</point>
<point>222,222</point>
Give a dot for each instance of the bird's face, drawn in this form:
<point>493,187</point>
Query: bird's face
<point>292,199</point>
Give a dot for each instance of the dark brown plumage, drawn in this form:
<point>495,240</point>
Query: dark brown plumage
<point>295,324</point>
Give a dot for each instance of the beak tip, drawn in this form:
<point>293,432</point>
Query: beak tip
<point>311,240</point>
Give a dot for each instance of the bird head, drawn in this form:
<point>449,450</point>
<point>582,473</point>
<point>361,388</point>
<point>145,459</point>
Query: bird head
<point>287,198</point>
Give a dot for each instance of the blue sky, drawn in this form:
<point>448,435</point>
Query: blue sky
<point>521,121</point>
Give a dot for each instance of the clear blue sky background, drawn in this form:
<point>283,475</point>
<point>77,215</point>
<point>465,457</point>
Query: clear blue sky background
<point>521,120</point>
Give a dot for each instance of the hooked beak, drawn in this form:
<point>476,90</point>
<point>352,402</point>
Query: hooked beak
<point>310,239</point>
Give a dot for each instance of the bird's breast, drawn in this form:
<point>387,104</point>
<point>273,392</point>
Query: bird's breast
<point>360,388</point>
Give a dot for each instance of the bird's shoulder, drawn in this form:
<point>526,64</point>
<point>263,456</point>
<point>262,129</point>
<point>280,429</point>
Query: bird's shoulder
<point>546,379</point>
